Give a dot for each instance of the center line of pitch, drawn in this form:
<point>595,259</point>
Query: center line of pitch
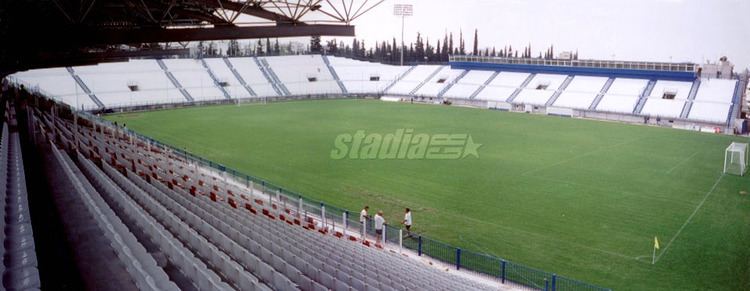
<point>689,218</point>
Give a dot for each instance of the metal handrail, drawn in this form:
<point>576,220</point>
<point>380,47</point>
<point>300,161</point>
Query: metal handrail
<point>609,64</point>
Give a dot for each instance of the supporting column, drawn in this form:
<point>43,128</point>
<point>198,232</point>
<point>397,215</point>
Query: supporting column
<point>385,230</point>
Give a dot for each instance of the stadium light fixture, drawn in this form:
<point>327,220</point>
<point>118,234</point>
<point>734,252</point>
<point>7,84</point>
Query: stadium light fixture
<point>403,10</point>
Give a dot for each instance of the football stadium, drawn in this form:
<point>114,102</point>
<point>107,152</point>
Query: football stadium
<point>262,145</point>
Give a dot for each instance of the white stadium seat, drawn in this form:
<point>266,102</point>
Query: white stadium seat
<point>657,107</point>
<point>144,82</point>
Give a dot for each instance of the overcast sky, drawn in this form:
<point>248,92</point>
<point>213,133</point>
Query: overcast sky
<point>652,30</point>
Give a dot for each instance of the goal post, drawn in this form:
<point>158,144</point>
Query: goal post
<point>736,158</point>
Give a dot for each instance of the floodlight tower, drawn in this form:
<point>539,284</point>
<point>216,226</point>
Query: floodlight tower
<point>403,10</point>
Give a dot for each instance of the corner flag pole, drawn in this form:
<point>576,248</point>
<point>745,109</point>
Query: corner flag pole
<point>656,247</point>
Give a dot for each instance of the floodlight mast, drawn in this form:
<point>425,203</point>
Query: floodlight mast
<point>403,10</point>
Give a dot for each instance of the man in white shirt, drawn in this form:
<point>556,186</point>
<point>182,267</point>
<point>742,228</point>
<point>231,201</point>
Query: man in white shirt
<point>407,222</point>
<point>379,223</point>
<point>363,220</point>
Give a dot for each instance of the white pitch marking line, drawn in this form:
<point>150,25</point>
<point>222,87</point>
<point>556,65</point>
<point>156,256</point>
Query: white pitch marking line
<point>682,162</point>
<point>689,218</point>
<point>591,152</point>
<point>545,237</point>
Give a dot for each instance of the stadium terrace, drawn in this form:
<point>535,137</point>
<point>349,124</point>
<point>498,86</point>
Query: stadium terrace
<point>663,94</point>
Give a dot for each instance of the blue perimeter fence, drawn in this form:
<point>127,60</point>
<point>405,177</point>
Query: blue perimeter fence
<point>462,259</point>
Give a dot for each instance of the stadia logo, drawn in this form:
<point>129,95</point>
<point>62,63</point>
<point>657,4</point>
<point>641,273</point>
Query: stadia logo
<point>403,144</point>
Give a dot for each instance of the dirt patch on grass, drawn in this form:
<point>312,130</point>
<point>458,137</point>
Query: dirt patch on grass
<point>743,192</point>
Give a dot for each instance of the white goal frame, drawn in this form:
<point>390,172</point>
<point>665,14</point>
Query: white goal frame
<point>736,152</point>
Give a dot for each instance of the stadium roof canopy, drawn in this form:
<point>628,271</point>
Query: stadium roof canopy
<point>55,30</point>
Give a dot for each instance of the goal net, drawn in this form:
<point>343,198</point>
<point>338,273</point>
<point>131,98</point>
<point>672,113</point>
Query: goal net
<point>735,159</point>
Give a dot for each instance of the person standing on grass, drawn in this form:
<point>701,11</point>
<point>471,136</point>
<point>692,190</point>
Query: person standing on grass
<point>363,220</point>
<point>379,223</point>
<point>407,222</point>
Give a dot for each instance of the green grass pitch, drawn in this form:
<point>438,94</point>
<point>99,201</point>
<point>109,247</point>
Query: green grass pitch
<point>579,198</point>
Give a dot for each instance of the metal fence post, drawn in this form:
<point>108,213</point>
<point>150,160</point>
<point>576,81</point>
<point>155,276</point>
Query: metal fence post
<point>252,186</point>
<point>503,270</point>
<point>400,240</point>
<point>419,246</point>
<point>554,281</point>
<point>270,198</point>
<point>546,284</point>
<point>344,221</point>
<point>323,213</point>
<point>385,230</point>
<point>364,230</point>
<point>299,207</point>
<point>458,258</point>
<point>263,189</point>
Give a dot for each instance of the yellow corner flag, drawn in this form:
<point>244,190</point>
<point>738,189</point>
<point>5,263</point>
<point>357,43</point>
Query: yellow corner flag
<point>656,243</point>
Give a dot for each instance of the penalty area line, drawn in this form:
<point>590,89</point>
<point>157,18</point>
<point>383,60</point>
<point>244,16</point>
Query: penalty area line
<point>681,162</point>
<point>689,218</point>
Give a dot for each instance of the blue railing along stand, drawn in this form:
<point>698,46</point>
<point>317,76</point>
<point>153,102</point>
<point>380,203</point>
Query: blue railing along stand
<point>554,281</point>
<point>419,246</point>
<point>502,266</point>
<point>458,258</point>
